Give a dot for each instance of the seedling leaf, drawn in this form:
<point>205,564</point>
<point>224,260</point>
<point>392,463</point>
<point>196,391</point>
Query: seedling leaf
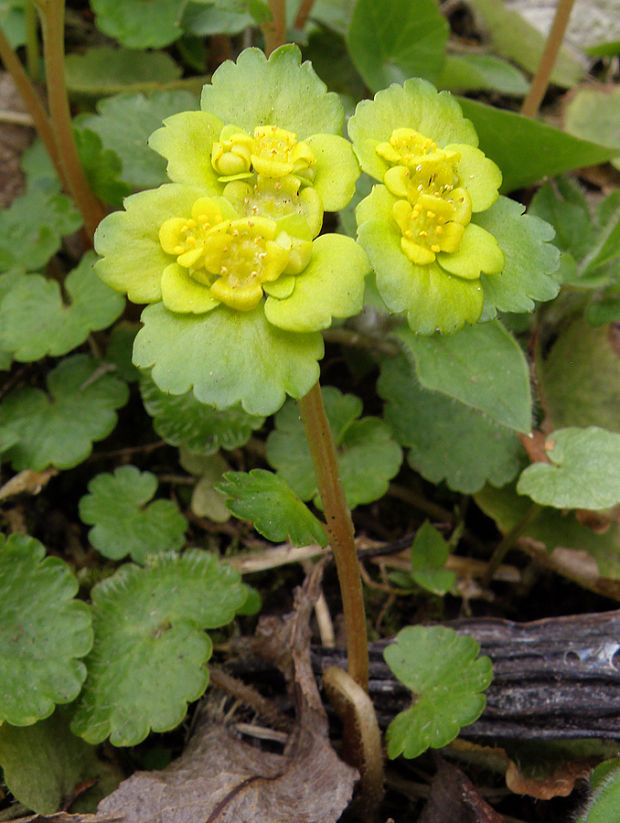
<point>184,421</point>
<point>447,440</point>
<point>35,322</point>
<point>584,472</point>
<point>441,669</point>
<point>274,508</point>
<point>207,501</point>
<point>368,457</point>
<point>123,523</point>
<point>59,428</point>
<point>42,636</point>
<point>149,655</point>
<point>428,557</point>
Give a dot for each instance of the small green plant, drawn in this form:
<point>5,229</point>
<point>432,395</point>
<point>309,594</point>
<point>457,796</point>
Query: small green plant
<point>254,233</point>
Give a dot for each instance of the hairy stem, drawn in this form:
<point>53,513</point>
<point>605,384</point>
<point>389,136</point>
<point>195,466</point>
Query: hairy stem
<point>52,19</point>
<point>540,82</point>
<point>339,528</point>
<point>274,30</point>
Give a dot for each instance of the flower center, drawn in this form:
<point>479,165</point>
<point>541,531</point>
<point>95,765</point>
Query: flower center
<point>431,225</point>
<point>270,152</point>
<point>185,237</point>
<point>417,165</point>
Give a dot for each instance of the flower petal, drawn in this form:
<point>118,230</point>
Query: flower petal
<point>182,294</point>
<point>336,169</point>
<point>331,286</point>
<point>478,252</point>
<point>228,357</point>
<point>186,140</point>
<point>479,175</point>
<point>133,260</point>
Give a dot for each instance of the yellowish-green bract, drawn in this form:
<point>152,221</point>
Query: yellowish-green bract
<point>419,226</point>
<point>228,252</point>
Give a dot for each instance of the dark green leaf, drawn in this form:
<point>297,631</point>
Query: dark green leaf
<point>389,42</point>
<point>526,150</point>
<point>140,24</point>
<point>481,72</point>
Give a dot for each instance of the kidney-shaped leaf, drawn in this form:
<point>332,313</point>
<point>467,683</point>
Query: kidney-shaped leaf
<point>122,522</point>
<point>149,655</point>
<point>59,428</point>
<point>35,321</point>
<point>584,472</point>
<point>446,675</point>
<point>43,632</point>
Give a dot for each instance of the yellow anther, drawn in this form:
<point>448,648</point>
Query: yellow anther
<point>435,248</point>
<point>423,234</point>
<point>190,241</point>
<point>430,214</point>
<point>191,223</point>
<point>439,230</point>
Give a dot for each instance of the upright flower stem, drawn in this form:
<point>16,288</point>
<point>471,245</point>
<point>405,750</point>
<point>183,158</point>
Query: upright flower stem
<point>274,30</point>
<point>339,530</point>
<point>32,41</point>
<point>304,12</point>
<point>540,82</point>
<point>52,24</point>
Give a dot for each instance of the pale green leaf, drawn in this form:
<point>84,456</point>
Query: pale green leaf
<point>481,72</point>
<point>482,366</point>
<point>58,428</point>
<point>447,440</point>
<point>207,501</point>
<point>272,506</point>
<point>264,364</point>
<point>122,522</point>
<point>140,24</point>
<point>43,632</point>
<point>150,650</point>
<point>592,114</point>
<point>584,472</point>
<point>105,70</point>
<point>446,676</point>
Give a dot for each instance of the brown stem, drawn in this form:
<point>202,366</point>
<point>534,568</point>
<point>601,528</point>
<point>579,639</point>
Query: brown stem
<point>339,530</point>
<point>52,20</point>
<point>540,82</point>
<point>33,103</point>
<point>274,30</point>
<point>303,13</point>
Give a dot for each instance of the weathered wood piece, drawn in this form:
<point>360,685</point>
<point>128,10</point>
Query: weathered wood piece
<point>553,678</point>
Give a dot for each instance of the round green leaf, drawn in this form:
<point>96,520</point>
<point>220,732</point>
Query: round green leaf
<point>441,669</point>
<point>428,556</point>
<point>592,114</point>
<point>264,364</point>
<point>105,70</point>
<point>123,523</point>
<point>184,421</point>
<point>256,91</point>
<point>368,457</point>
<point>149,655</point>
<point>584,472</point>
<point>43,632</point>
<point>59,428</point>
<point>272,506</point>
<point>35,322</point>
<point>389,42</point>
<point>140,24</point>
<point>447,440</point>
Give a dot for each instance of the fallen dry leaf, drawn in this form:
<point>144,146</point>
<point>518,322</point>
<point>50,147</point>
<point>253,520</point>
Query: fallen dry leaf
<point>454,798</point>
<point>560,783</point>
<point>220,779</point>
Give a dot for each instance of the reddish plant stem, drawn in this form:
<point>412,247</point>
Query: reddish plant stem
<point>540,82</point>
<point>303,13</point>
<point>274,30</point>
<point>339,527</point>
<point>33,103</point>
<point>52,24</point>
